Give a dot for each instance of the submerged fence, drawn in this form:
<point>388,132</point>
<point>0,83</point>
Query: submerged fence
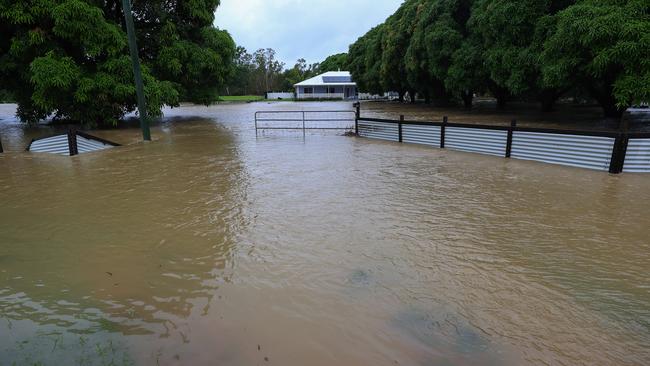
<point>72,143</point>
<point>305,120</point>
<point>613,151</point>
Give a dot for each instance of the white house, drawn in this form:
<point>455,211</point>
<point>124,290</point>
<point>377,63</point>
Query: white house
<point>330,85</point>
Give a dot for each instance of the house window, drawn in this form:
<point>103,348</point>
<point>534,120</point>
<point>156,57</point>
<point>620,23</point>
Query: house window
<point>332,90</point>
<point>309,90</point>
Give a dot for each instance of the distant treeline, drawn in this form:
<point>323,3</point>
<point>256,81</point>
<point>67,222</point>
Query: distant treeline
<point>449,50</point>
<point>261,72</point>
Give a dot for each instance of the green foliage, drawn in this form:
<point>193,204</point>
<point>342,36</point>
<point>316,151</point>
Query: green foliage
<point>6,97</point>
<point>240,98</point>
<point>299,72</point>
<point>69,58</point>
<point>255,73</point>
<point>605,46</point>
<point>511,48</point>
<point>364,60</point>
<point>260,72</point>
<point>338,62</point>
<point>394,42</point>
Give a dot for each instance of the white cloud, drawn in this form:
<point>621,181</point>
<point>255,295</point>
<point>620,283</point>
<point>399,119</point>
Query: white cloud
<point>311,29</point>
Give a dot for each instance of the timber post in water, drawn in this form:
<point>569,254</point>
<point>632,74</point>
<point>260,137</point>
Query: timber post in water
<point>137,73</point>
<point>442,131</point>
<point>513,124</point>
<point>73,148</point>
<point>620,150</point>
<point>357,115</point>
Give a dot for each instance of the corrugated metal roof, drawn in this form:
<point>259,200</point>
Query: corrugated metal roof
<point>331,76</point>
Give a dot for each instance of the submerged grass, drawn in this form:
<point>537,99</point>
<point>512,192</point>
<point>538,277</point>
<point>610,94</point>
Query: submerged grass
<point>240,98</point>
<point>80,351</point>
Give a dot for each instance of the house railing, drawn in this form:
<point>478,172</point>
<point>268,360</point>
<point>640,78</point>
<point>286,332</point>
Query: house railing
<point>321,96</point>
<point>612,151</point>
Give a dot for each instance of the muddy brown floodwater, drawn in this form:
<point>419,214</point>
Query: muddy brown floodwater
<point>211,246</point>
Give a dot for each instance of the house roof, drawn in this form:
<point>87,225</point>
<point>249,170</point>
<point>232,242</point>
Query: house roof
<point>329,78</point>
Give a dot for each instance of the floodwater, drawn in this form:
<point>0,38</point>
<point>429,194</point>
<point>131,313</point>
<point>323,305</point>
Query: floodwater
<point>211,246</point>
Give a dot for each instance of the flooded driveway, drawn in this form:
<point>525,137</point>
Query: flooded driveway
<point>214,246</point>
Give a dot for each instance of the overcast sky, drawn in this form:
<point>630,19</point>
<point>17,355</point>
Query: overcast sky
<point>309,29</point>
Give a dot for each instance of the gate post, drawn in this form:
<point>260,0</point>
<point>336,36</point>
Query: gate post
<point>513,124</point>
<point>399,128</point>
<point>72,142</point>
<point>442,131</point>
<point>357,115</point>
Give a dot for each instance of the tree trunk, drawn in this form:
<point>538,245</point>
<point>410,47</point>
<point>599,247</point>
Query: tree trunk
<point>412,96</point>
<point>611,110</point>
<point>401,96</point>
<point>607,102</point>
<point>468,97</point>
<point>548,98</point>
<point>604,95</point>
<point>501,94</point>
<point>501,102</point>
<point>427,97</point>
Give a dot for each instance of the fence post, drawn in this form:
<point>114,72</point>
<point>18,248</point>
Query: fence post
<point>619,151</point>
<point>256,124</point>
<point>399,128</point>
<point>357,115</point>
<point>72,142</point>
<point>513,124</point>
<point>445,119</point>
<point>303,124</point>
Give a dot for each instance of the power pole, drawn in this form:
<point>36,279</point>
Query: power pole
<point>137,73</point>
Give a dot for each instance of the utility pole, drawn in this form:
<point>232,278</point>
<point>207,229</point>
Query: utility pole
<point>137,73</point>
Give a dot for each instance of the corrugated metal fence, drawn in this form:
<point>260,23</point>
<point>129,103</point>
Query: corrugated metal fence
<point>637,158</point>
<point>72,143</point>
<point>614,151</point>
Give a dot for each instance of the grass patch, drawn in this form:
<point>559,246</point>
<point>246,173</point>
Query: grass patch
<point>240,98</point>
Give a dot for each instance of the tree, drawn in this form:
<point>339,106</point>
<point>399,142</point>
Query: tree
<point>512,34</point>
<point>337,62</point>
<point>466,74</point>
<point>267,70</point>
<point>442,30</point>
<point>605,46</point>
<point>68,58</point>
<point>240,78</point>
<point>394,43</point>
<point>299,72</point>
<point>524,49</point>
